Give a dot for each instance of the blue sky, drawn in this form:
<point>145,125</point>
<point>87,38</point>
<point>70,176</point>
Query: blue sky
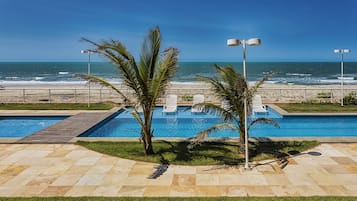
<point>291,30</point>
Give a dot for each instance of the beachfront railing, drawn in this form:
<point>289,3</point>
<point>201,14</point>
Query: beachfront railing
<point>80,95</point>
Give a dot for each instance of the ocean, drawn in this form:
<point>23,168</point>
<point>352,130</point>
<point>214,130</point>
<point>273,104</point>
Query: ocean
<point>39,73</point>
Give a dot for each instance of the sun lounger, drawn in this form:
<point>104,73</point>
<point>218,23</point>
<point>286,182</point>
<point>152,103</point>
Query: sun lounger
<point>196,100</point>
<point>258,106</point>
<point>171,104</point>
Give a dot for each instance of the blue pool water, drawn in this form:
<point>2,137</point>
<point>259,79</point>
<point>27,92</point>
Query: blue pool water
<point>23,126</point>
<point>184,124</point>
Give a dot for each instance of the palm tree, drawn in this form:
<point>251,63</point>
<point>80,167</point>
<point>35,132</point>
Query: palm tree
<point>148,78</point>
<point>230,87</point>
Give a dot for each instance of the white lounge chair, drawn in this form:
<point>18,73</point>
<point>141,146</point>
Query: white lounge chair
<point>258,106</point>
<point>171,104</point>
<point>196,100</point>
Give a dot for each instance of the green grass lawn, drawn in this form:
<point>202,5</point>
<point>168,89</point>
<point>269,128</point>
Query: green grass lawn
<point>207,153</point>
<point>316,107</point>
<point>327,198</point>
<point>56,106</point>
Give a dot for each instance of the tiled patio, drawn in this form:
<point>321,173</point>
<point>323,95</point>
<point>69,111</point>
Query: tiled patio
<point>71,170</point>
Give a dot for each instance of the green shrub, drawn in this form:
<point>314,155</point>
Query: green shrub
<point>187,97</point>
<point>350,99</point>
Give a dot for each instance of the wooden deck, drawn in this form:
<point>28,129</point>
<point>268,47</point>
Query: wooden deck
<point>64,131</point>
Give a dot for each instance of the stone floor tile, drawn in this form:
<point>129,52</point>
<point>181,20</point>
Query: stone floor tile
<point>207,180</point>
<point>136,180</point>
<point>232,179</point>
<point>99,169</point>
<point>12,170</point>
<point>142,169</point>
<point>29,191</point>
<point>284,190</point>
<point>211,191</point>
<point>106,191</point>
<point>343,160</point>
<point>336,190</point>
<point>132,190</point>
<point>66,180</point>
<point>184,180</point>
<point>163,180</point>
<point>352,169</point>
<point>325,179</point>
<point>276,179</point>
<point>335,169</point>
<point>259,191</point>
<point>179,191</point>
<point>87,160</point>
<point>184,169</point>
<point>6,191</point>
<point>41,180</point>
<point>55,191</point>
<point>113,180</point>
<point>310,190</point>
<point>81,191</point>
<point>74,169</point>
<point>350,179</point>
<point>235,190</point>
<point>157,191</point>
<point>300,179</point>
<point>90,180</point>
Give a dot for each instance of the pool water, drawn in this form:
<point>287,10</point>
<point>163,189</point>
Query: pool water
<point>23,126</point>
<point>185,124</point>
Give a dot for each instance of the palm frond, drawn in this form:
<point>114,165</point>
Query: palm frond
<point>264,120</point>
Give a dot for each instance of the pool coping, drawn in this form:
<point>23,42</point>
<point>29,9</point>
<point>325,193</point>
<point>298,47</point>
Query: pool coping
<point>285,113</point>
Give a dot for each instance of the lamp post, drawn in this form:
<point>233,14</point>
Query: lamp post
<point>89,52</point>
<point>342,52</point>
<point>250,42</point>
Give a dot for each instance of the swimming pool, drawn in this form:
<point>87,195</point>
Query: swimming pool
<point>184,124</point>
<point>22,126</point>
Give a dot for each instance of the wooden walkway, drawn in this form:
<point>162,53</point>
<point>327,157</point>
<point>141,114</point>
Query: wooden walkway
<point>64,131</point>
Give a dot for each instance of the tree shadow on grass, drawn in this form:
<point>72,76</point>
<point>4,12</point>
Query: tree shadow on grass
<point>220,153</point>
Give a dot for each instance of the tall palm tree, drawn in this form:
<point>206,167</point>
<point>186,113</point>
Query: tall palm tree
<point>148,78</point>
<point>231,87</point>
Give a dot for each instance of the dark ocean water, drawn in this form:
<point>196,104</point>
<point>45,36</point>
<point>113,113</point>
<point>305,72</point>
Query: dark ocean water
<point>32,73</point>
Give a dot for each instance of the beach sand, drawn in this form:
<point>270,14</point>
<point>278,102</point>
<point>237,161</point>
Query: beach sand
<point>271,93</point>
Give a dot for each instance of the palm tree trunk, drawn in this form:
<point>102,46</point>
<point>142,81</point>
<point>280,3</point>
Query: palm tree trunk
<point>147,137</point>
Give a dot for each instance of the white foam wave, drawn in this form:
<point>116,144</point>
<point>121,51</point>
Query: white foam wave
<point>63,73</point>
<point>36,82</point>
<point>12,78</point>
<point>299,74</point>
<point>39,78</point>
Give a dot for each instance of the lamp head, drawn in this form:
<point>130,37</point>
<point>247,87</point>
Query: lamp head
<point>253,42</point>
<point>346,50</point>
<point>233,42</point>
<point>84,51</point>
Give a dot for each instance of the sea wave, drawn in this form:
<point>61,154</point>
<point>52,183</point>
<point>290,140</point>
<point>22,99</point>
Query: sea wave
<point>63,73</point>
<point>36,82</point>
<point>299,74</point>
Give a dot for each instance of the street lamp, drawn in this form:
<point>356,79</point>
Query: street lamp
<point>342,52</point>
<point>89,52</point>
<point>250,42</point>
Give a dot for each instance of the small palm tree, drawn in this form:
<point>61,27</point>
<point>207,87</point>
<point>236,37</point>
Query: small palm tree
<point>231,87</point>
<point>148,78</point>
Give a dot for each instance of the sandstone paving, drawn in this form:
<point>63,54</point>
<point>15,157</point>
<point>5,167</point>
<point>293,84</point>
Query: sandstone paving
<point>70,170</point>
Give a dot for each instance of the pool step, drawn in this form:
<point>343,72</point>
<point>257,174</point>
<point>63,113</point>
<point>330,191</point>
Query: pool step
<point>64,131</point>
